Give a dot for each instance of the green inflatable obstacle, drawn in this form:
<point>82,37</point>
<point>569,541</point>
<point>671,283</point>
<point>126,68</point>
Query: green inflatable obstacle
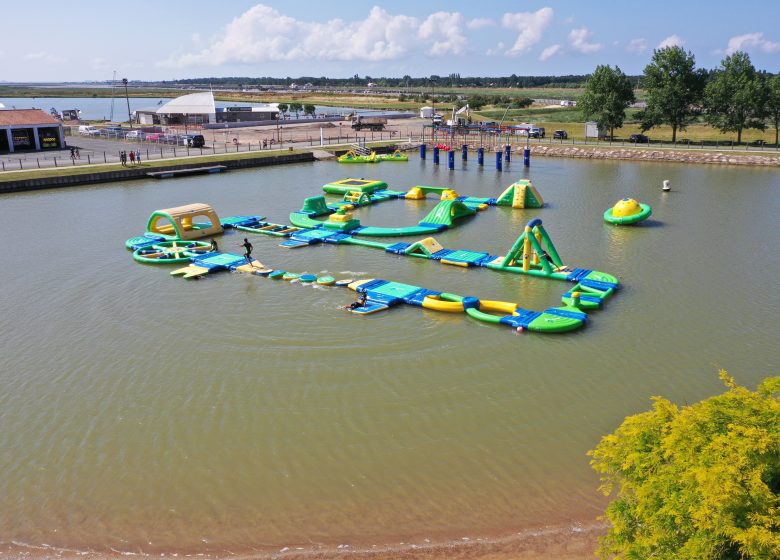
<point>534,254</point>
<point>521,194</point>
<point>368,186</point>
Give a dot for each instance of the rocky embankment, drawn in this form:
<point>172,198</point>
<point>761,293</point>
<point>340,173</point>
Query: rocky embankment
<point>636,154</point>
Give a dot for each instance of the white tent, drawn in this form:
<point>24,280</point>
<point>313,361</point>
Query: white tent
<point>192,104</point>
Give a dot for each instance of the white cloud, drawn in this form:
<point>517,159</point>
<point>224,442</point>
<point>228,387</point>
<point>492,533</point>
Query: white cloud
<point>443,28</point>
<point>479,23</point>
<point>43,56</point>
<point>263,34</point>
<point>498,50</point>
<point>98,63</point>
<point>671,41</point>
<point>578,38</point>
<point>637,46</point>
<point>529,25</point>
<point>549,52</point>
<point>751,41</point>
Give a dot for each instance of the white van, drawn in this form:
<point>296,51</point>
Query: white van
<point>87,130</point>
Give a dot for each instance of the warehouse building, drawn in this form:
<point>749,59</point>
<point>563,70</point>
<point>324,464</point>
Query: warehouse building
<point>199,108</point>
<point>29,130</point>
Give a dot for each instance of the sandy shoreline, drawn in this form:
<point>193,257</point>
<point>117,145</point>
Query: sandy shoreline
<point>577,541</point>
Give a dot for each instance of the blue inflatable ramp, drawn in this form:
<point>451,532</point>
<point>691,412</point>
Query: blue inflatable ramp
<point>595,284</point>
<point>306,237</point>
<point>523,319</point>
<point>417,297</point>
<point>234,221</point>
<point>398,248</point>
<point>370,307</point>
<point>219,261</point>
<point>143,241</point>
<point>578,274</point>
<point>464,258</point>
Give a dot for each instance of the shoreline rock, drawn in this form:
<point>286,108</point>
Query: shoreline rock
<point>634,154</point>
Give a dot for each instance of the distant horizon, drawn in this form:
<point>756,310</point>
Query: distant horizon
<point>246,38</point>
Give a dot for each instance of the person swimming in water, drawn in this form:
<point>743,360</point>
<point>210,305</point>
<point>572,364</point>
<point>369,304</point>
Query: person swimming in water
<point>361,302</point>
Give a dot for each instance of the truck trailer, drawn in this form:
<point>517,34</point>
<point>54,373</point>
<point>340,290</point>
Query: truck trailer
<point>360,122</point>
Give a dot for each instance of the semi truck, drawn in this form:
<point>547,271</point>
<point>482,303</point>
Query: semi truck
<point>360,122</point>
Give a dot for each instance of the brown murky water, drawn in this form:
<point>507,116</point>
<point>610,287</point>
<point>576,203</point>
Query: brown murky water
<point>142,413</point>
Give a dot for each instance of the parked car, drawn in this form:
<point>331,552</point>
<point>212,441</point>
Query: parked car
<point>113,132</point>
<point>560,135</point>
<point>191,140</point>
<point>86,130</point>
<point>536,132</point>
<point>135,135</point>
<point>638,139</point>
<point>153,137</point>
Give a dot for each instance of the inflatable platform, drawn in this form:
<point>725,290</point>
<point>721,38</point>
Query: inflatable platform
<point>384,294</point>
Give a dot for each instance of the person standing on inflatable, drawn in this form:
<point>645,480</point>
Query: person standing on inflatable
<point>248,250</point>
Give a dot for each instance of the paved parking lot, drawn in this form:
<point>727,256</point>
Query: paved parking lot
<point>99,149</point>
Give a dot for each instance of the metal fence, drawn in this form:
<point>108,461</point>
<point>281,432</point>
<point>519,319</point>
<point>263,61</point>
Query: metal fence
<point>154,150</point>
<point>494,140</point>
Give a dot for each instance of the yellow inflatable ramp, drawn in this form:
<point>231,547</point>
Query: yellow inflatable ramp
<point>521,194</point>
<point>424,248</point>
<point>190,271</point>
<point>251,268</point>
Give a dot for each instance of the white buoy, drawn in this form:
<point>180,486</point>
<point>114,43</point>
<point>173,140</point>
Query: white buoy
<point>666,186</point>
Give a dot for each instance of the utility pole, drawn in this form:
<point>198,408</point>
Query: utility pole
<point>127,98</point>
<point>113,88</point>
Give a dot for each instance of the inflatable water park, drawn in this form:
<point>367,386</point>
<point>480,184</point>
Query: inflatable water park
<point>371,157</point>
<point>627,212</point>
<point>177,236</point>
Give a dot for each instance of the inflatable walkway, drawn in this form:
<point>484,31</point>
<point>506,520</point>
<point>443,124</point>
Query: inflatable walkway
<point>384,294</point>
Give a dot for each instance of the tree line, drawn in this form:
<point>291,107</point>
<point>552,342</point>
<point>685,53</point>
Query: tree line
<point>732,98</point>
<point>434,80</point>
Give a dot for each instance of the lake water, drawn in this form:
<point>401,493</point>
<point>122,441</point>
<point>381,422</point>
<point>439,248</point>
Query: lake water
<point>99,108</point>
<point>143,413</point>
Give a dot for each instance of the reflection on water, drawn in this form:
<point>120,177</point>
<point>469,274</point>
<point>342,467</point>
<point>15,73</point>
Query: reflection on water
<point>142,412</point>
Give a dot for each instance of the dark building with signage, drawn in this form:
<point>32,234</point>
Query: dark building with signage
<point>29,130</point>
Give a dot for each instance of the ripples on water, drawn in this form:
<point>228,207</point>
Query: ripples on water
<point>142,412</point>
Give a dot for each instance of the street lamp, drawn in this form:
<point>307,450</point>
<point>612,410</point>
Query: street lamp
<point>127,98</point>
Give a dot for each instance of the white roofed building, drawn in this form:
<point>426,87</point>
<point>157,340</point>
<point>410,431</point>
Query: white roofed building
<point>199,108</point>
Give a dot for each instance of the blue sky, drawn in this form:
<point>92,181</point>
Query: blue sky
<point>141,39</point>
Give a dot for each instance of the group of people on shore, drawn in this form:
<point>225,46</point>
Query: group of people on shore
<point>75,154</point>
<point>134,156</point>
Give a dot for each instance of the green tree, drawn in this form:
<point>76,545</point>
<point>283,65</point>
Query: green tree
<point>735,98</point>
<point>476,102</point>
<point>773,104</point>
<point>608,93</point>
<point>283,108</point>
<point>701,482</point>
<point>296,108</point>
<point>309,109</point>
<point>674,89</point>
<point>521,102</point>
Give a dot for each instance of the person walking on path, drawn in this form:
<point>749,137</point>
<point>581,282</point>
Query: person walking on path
<point>122,157</point>
<point>78,154</point>
<point>138,157</point>
<point>132,156</point>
